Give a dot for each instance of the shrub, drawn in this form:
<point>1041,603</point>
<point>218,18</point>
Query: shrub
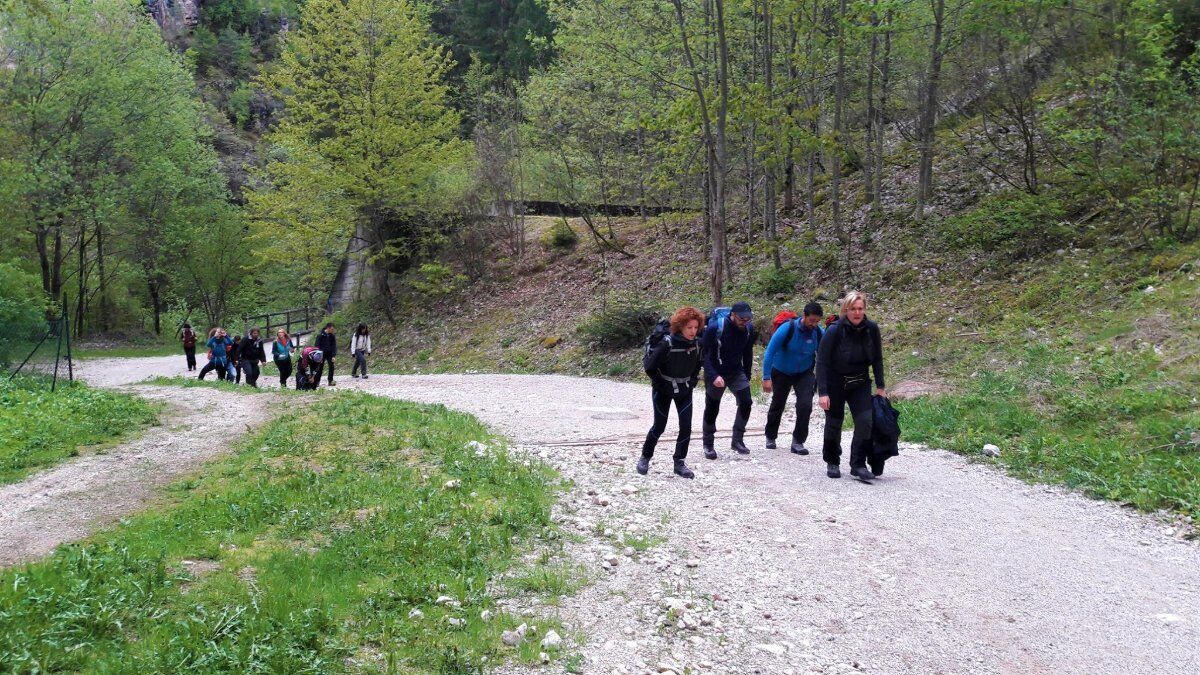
<point>435,280</point>
<point>21,310</point>
<point>1015,224</point>
<point>771,281</point>
<point>559,236</point>
<point>624,322</point>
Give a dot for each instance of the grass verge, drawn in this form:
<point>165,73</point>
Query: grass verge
<point>360,533</point>
<point>224,385</point>
<point>39,428</point>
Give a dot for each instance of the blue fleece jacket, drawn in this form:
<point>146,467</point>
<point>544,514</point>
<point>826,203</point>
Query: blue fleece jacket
<point>798,355</point>
<point>736,351</point>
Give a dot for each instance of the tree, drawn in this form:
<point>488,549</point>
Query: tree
<point>365,105</point>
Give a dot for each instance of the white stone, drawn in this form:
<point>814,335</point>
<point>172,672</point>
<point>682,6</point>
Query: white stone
<point>991,450</point>
<point>511,638</point>
<point>552,640</point>
<point>777,650</point>
<point>416,614</point>
<point>452,484</point>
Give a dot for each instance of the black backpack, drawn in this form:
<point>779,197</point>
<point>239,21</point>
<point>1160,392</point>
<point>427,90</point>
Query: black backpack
<point>661,330</point>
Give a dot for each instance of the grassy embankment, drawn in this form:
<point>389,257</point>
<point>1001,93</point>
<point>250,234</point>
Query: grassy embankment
<point>323,545</point>
<point>39,428</point>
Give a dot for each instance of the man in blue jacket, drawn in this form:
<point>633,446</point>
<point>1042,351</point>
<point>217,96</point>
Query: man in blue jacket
<point>728,348</point>
<point>787,367</point>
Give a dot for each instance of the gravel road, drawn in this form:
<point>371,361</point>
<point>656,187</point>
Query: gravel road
<point>762,564</point>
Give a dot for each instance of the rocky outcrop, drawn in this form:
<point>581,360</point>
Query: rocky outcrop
<point>175,17</point>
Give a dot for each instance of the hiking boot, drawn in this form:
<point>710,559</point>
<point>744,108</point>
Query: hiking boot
<point>354,376</point>
<point>833,471</point>
<point>799,449</point>
<point>876,467</point>
<point>770,443</point>
<point>643,465</point>
<point>739,447</point>
<point>862,473</point>
<point>709,453</point>
<point>682,470</point>
<point>333,384</point>
<point>365,377</point>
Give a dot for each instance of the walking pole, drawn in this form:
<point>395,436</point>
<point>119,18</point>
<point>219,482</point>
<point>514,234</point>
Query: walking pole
<point>35,348</point>
<point>70,367</point>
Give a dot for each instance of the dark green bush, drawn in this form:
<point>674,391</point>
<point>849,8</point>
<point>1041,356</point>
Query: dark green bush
<point>22,312</point>
<point>560,236</point>
<point>624,322</point>
<point>1015,223</point>
<point>770,281</point>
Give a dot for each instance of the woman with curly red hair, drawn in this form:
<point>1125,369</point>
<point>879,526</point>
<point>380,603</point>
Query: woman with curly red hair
<point>673,364</point>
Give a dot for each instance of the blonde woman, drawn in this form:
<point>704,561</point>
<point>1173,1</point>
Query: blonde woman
<point>281,353</point>
<point>851,347</point>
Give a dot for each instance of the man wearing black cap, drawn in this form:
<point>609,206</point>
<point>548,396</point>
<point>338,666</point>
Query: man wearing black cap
<point>728,361</point>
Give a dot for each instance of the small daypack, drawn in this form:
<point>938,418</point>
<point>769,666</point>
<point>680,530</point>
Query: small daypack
<point>785,315</point>
<point>717,318</point>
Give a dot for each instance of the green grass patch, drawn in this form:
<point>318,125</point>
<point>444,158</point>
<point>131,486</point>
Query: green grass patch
<point>551,580</point>
<point>323,545</point>
<point>128,351</point>
<point>225,385</point>
<point>40,428</point>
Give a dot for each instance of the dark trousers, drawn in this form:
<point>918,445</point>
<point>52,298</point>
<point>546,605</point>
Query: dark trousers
<point>859,400</point>
<point>250,367</point>
<point>712,408</point>
<point>321,369</point>
<point>360,361</point>
<point>782,386</point>
<point>190,353</point>
<point>237,372</point>
<point>661,400</point>
<point>285,370</point>
<point>222,369</point>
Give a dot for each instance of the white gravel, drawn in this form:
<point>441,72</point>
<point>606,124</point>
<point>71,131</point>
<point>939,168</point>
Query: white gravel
<point>765,565</point>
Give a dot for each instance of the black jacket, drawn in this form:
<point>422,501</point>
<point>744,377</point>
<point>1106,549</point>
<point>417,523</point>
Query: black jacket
<point>729,353</point>
<point>327,343</point>
<point>252,349</point>
<point>674,356</point>
<point>849,350</point>
<point>885,432</point>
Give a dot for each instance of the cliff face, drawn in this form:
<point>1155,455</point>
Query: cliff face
<point>175,17</point>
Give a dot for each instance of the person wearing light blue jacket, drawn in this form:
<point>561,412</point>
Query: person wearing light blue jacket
<point>788,365</point>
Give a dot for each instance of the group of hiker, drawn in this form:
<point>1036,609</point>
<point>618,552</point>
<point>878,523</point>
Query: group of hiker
<point>802,358</point>
<point>237,356</point>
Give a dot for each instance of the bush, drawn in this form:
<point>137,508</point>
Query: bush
<point>559,236</point>
<point>435,280</point>
<point>22,312</point>
<point>770,281</point>
<point>1015,224</point>
<point>625,322</point>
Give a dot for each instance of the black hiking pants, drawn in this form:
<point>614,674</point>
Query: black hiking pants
<point>285,370</point>
<point>211,366</point>
<point>712,408</point>
<point>782,386</point>
<point>321,368</point>
<point>252,371</point>
<point>360,361</point>
<point>190,353</point>
<point>859,400</point>
<point>661,399</point>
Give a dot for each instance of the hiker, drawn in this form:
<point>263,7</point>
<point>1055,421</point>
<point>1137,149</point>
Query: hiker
<point>327,343</point>
<point>788,365</point>
<point>360,347</point>
<point>308,368</point>
<point>210,366</point>
<point>252,357</point>
<point>851,346</point>
<point>189,345</point>
<point>673,364</point>
<point>235,360</point>
<point>219,345</point>
<point>728,350</point>
<point>281,353</point>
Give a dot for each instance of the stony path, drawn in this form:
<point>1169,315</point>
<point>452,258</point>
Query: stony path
<point>763,564</point>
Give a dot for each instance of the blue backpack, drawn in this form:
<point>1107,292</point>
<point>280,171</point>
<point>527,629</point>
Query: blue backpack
<point>717,317</point>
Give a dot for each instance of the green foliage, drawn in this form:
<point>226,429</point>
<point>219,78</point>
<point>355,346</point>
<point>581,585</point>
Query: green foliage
<point>624,321</point>
<point>1012,223</point>
<point>769,281</point>
<point>437,280</point>
<point>40,428</point>
<point>22,311</point>
<point>560,235</point>
<point>305,552</point>
<point>365,121</point>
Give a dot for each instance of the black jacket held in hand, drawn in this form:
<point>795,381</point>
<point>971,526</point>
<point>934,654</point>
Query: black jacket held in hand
<point>848,350</point>
<point>327,343</point>
<point>675,357</point>
<point>885,432</point>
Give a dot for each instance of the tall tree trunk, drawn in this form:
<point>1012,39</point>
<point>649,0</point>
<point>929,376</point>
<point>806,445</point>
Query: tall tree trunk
<point>814,121</point>
<point>722,152</point>
<point>869,158</point>
<point>885,77</point>
<point>770,218</point>
<point>105,305</point>
<point>835,157</point>
<point>929,105</point>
